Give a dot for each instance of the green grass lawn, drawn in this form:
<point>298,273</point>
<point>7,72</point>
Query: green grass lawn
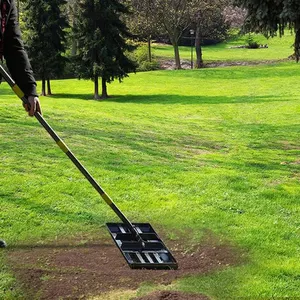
<point>189,151</point>
<point>278,48</point>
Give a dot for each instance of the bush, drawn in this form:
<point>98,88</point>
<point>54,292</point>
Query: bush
<point>148,66</point>
<point>251,43</point>
<point>141,56</point>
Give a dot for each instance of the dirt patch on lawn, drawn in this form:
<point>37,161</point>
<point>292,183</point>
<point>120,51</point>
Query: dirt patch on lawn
<point>72,271</point>
<point>169,295</point>
<point>169,64</point>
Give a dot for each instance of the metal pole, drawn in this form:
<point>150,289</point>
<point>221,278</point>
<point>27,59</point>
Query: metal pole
<point>192,58</point>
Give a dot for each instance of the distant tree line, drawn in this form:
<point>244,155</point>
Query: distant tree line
<point>172,18</point>
<point>92,39</point>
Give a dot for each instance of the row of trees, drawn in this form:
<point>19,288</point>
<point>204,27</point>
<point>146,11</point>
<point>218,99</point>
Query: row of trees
<point>173,17</point>
<point>45,38</point>
<point>99,40</point>
<point>96,34</point>
<point>212,18</point>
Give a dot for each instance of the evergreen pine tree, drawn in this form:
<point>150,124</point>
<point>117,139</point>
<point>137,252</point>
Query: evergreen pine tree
<point>102,43</point>
<point>45,38</point>
<point>272,17</point>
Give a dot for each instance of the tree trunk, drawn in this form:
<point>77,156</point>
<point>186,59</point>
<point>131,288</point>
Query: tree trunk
<point>199,60</point>
<point>149,49</point>
<point>177,57</point>
<point>49,92</point>
<point>297,44</point>
<point>74,47</point>
<point>43,87</point>
<point>104,89</point>
<point>96,86</point>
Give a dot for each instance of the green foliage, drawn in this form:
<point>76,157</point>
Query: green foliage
<point>45,36</point>
<point>142,58</point>
<point>148,66</point>
<point>142,21</point>
<point>102,43</point>
<point>209,20</point>
<point>142,53</point>
<point>251,43</point>
<point>273,16</point>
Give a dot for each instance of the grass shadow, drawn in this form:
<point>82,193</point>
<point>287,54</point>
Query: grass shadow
<point>72,96</point>
<point>173,99</point>
<point>191,100</point>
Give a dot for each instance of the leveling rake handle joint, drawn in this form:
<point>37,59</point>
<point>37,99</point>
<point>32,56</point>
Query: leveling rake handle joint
<point>68,152</point>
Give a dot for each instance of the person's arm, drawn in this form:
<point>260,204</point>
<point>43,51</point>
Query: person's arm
<point>17,61</point>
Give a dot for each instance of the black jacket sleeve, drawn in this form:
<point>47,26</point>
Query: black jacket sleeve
<point>15,55</point>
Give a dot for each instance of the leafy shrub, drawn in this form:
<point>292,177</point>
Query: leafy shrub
<point>148,66</point>
<point>141,55</point>
<point>251,43</point>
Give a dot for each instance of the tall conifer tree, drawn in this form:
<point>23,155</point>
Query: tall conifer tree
<point>102,43</point>
<point>272,17</point>
<point>45,37</point>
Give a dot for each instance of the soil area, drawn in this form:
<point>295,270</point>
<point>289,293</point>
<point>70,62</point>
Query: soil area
<point>169,295</point>
<point>169,64</point>
<point>69,270</point>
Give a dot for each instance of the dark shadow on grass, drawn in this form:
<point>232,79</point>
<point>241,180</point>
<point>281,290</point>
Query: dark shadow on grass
<point>194,100</point>
<point>174,99</point>
<point>117,138</point>
<point>89,96</point>
<point>250,166</point>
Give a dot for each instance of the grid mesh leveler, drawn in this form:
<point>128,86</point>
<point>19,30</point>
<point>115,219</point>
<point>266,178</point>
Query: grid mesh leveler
<point>152,255</point>
<point>139,243</point>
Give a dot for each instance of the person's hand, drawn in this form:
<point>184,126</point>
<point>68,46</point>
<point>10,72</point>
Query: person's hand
<point>33,105</point>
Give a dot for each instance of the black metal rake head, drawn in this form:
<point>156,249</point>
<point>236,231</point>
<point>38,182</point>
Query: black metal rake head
<point>151,254</point>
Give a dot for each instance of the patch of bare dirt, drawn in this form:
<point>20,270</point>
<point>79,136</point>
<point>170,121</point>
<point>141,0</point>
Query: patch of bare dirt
<point>169,64</point>
<point>73,271</point>
<point>170,295</point>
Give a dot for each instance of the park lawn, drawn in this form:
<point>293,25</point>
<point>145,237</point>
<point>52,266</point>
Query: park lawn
<point>211,150</point>
<point>278,49</point>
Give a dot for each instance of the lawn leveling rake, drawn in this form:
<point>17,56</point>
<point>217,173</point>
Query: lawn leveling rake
<point>138,242</point>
